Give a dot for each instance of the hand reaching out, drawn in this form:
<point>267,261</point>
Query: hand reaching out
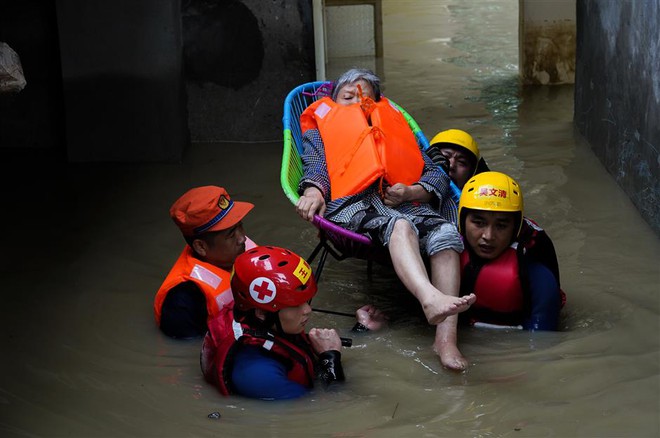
<point>370,317</point>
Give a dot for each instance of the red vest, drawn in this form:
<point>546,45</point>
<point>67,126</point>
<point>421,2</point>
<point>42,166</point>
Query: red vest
<point>501,294</point>
<point>497,287</point>
<point>225,334</point>
<point>214,282</point>
<point>360,148</point>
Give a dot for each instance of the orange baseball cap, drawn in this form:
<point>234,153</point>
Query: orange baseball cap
<point>207,208</point>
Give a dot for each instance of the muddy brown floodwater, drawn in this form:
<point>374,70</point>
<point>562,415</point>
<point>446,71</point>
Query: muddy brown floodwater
<point>87,245</point>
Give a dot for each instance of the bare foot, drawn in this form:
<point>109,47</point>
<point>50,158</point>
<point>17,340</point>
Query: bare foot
<point>450,357</point>
<point>445,306</point>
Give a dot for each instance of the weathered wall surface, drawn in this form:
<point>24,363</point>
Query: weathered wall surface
<point>241,60</point>
<point>617,94</point>
<point>32,119</point>
<point>547,41</point>
<point>138,80</point>
<point>122,78</point>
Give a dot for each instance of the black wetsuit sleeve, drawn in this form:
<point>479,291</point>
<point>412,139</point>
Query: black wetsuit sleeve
<point>329,367</point>
<point>184,312</point>
<point>544,252</point>
<point>436,156</point>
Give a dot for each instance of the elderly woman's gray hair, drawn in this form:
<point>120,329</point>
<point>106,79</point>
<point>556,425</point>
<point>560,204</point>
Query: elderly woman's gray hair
<point>356,74</point>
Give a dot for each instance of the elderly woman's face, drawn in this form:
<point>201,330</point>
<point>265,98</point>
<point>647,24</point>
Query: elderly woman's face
<point>348,94</point>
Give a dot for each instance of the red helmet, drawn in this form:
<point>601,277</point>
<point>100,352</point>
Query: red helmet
<point>271,278</point>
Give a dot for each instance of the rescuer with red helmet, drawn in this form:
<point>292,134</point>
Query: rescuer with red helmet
<point>257,347</point>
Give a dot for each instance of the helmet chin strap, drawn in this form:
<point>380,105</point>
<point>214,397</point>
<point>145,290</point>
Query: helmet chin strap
<point>278,323</point>
<point>273,319</point>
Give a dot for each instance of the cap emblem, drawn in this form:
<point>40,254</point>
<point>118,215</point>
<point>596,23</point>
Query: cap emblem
<point>223,202</point>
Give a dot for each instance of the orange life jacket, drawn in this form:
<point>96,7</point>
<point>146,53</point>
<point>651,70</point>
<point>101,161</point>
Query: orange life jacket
<point>361,148</point>
<point>214,282</point>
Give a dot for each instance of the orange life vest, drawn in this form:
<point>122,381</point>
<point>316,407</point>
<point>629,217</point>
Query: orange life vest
<point>214,282</point>
<point>362,148</point>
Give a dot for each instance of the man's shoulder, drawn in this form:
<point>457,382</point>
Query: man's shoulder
<point>185,288</point>
<point>531,224</point>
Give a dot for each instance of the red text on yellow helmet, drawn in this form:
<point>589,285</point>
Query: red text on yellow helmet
<point>491,191</point>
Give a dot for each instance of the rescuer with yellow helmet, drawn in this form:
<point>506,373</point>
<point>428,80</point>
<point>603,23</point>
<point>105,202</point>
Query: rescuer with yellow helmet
<point>458,153</point>
<point>509,262</point>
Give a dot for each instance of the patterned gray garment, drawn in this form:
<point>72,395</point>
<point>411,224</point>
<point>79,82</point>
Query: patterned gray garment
<point>350,211</point>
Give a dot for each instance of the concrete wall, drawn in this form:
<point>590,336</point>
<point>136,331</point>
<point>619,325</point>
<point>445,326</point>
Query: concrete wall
<point>32,119</point>
<point>123,79</point>
<point>617,94</point>
<point>242,58</point>
<point>139,80</point>
<point>547,41</point>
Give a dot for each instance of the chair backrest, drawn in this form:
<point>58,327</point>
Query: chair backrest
<point>295,103</point>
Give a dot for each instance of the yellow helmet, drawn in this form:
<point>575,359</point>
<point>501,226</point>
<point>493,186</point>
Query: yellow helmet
<point>458,138</point>
<point>491,191</point>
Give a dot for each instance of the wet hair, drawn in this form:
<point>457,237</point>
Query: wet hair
<point>356,74</point>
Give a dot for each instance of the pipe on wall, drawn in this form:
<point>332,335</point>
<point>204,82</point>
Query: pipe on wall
<point>319,38</point>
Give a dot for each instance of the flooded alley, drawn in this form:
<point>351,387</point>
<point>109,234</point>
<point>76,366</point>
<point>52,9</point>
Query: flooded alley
<point>88,245</point>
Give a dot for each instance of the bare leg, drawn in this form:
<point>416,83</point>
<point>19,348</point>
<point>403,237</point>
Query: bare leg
<point>409,267</point>
<point>445,275</point>
<point>445,345</point>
